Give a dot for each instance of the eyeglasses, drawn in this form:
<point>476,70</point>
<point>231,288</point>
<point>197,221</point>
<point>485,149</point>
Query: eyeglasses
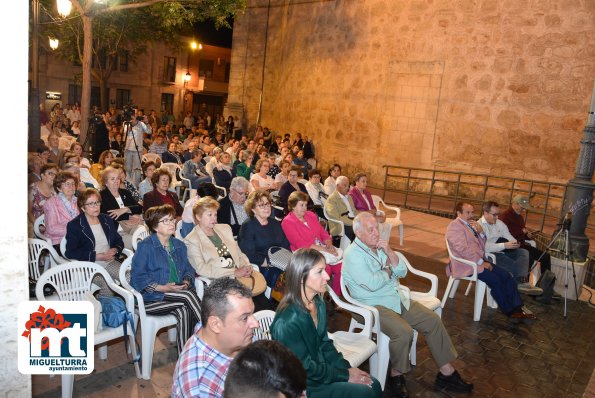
<point>263,205</point>
<point>168,221</point>
<point>93,204</point>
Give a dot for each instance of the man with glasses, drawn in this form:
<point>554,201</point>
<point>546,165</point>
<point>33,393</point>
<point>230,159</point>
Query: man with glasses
<point>509,255</point>
<point>231,210</point>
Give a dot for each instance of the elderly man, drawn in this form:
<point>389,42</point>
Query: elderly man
<point>514,220</point>
<point>467,240</point>
<point>509,255</point>
<point>227,316</point>
<point>371,271</point>
<point>231,210</point>
<point>339,206</point>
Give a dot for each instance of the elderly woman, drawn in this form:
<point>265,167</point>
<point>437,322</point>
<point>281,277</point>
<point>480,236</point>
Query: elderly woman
<point>290,186</point>
<point>105,159</point>
<point>244,168</point>
<point>315,188</point>
<point>162,274</point>
<point>92,236</point>
<point>160,195</point>
<point>260,232</point>
<point>118,204</point>
<point>212,250</point>
<point>300,324</point>
<point>124,183</point>
<point>172,155</point>
<point>60,209</point>
<point>330,184</point>
<point>41,191</point>
<point>362,198</point>
<point>232,211</point>
<point>303,230</point>
<point>34,162</point>
<point>260,180</point>
<point>222,173</point>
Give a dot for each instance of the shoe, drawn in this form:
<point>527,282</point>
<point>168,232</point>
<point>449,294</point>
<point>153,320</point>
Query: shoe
<point>556,296</point>
<point>522,315</point>
<point>454,382</point>
<point>529,289</point>
<point>398,386</point>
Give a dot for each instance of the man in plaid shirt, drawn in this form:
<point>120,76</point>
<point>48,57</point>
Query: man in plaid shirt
<point>228,313</point>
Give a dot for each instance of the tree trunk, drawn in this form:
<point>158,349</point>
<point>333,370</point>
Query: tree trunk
<point>103,94</point>
<point>86,89</point>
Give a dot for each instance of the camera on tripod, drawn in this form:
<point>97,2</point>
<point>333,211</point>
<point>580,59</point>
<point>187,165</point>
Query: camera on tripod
<point>96,118</point>
<point>128,111</point>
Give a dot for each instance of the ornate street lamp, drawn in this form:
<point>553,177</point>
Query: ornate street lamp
<point>54,43</point>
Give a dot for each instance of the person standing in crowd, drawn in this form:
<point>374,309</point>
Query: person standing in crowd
<point>134,148</point>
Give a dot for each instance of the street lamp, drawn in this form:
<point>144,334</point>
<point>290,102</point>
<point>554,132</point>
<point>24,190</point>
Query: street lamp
<point>187,77</point>
<point>64,7</point>
<point>54,43</point>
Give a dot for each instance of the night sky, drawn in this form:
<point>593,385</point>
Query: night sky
<point>207,34</point>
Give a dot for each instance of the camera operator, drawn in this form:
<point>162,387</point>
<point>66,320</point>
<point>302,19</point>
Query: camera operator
<point>135,129</point>
<point>101,135</point>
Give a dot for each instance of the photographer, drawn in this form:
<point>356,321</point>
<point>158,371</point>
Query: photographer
<point>134,145</point>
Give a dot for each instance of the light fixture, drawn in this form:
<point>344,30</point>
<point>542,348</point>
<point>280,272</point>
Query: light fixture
<point>187,77</point>
<point>54,43</point>
<point>64,7</point>
<point>193,45</point>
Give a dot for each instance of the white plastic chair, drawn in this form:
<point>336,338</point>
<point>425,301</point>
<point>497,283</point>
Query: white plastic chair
<point>153,157</point>
<point>178,233</point>
<point>345,241</point>
<point>36,250</point>
<point>71,281</point>
<point>394,221</point>
<point>150,324</point>
<point>186,195</point>
<point>40,222</point>
<point>480,287</point>
<point>222,190</point>
<point>263,331</point>
<point>63,247</point>
<point>139,234</point>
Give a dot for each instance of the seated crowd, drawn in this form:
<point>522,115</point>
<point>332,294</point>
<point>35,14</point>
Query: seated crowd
<point>247,197</point>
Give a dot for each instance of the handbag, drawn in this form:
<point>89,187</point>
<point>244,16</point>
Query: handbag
<point>279,258</point>
<point>114,314</point>
<point>278,291</point>
<point>255,282</point>
<point>332,259</point>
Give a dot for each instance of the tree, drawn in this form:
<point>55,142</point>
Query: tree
<point>105,32</point>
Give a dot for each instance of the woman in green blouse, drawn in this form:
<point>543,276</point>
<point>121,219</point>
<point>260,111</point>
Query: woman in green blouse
<point>300,324</point>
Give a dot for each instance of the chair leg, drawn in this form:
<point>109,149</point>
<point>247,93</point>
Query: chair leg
<point>132,350</point>
<point>401,234</point>
<point>468,288</point>
<point>480,290</point>
<point>379,361</point>
<point>148,347</point>
<point>448,287</point>
<point>455,286</point>
<point>413,352</point>
<point>67,386</point>
<point>103,352</point>
<point>172,334</point>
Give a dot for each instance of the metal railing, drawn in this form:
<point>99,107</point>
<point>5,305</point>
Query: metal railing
<point>438,191</point>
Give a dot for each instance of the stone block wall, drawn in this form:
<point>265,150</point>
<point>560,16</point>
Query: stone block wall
<point>500,87</point>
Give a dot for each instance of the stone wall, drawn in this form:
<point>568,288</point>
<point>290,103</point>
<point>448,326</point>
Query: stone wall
<point>500,87</point>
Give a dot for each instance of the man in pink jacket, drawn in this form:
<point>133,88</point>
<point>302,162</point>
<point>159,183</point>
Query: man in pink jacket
<point>466,240</point>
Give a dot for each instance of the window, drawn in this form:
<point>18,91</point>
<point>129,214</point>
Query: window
<point>227,72</point>
<point>169,69</point>
<point>74,94</point>
<point>205,68</point>
<point>167,103</point>
<point>123,59</point>
<point>122,98</point>
<point>95,97</point>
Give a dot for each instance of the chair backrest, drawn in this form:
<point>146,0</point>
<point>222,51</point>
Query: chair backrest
<point>330,219</point>
<point>178,233</point>
<point>462,260</point>
<point>264,318</point>
<point>36,248</point>
<point>378,200</point>
<point>63,247</point>
<point>139,234</point>
<point>72,280</point>
<point>37,225</point>
<point>150,157</point>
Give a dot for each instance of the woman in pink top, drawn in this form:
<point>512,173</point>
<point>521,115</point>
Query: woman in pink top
<point>60,209</point>
<point>304,231</point>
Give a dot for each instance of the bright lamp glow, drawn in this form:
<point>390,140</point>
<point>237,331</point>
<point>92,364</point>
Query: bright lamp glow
<point>64,7</point>
<point>193,45</point>
<point>54,43</point>
<point>187,77</point>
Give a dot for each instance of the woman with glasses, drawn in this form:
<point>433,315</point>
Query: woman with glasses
<point>92,236</point>
<point>60,209</point>
<point>162,273</point>
<point>232,211</point>
<point>259,233</point>
<point>42,190</point>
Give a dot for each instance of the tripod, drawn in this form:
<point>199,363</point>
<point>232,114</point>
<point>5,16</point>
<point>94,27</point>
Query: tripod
<point>133,170</point>
<point>90,138</point>
<point>565,234</point>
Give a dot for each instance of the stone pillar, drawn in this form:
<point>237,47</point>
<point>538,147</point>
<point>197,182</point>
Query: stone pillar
<point>579,194</point>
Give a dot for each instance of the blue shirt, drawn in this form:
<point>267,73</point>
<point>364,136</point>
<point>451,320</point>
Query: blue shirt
<point>367,282</point>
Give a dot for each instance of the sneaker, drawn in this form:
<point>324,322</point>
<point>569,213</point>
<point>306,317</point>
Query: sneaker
<point>398,386</point>
<point>454,382</point>
<point>529,289</point>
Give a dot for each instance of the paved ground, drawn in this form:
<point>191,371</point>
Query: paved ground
<point>553,357</point>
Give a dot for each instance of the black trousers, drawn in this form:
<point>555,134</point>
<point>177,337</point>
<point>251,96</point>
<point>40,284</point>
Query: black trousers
<point>534,253</point>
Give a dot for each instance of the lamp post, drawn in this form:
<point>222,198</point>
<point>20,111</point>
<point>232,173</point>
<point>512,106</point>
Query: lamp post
<point>187,77</point>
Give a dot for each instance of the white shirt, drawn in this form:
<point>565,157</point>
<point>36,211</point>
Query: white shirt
<point>314,192</point>
<point>346,201</point>
<point>330,185</point>
<point>493,232</point>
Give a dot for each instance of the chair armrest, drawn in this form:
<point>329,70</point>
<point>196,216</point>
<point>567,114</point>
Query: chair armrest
<point>393,208</point>
<point>365,313</point>
<point>431,277</point>
<point>467,262</point>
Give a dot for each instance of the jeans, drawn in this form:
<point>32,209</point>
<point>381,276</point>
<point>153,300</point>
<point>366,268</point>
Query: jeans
<point>515,261</point>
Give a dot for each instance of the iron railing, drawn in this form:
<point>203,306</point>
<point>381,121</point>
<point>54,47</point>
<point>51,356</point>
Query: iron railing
<point>438,191</point>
